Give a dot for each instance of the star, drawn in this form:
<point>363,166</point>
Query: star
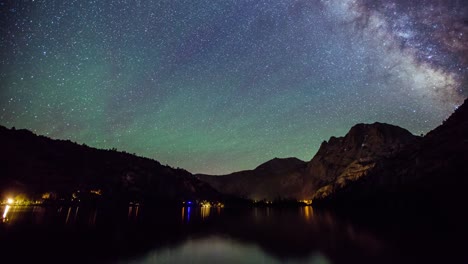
<point>222,86</point>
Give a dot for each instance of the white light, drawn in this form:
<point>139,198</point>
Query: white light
<point>7,208</point>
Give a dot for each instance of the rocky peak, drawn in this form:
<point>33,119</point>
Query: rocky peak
<point>364,142</point>
<point>431,171</point>
<point>376,138</point>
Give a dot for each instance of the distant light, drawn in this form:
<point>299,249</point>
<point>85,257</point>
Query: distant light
<point>189,202</point>
<point>10,201</point>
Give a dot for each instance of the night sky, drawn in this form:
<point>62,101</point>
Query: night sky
<point>220,86</point>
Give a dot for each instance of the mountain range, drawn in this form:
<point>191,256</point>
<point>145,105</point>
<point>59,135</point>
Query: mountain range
<point>373,163</point>
<point>349,156</point>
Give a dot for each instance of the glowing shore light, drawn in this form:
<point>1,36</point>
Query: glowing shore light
<point>10,201</point>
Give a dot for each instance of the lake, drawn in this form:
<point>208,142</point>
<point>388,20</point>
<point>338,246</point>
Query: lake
<point>138,234</point>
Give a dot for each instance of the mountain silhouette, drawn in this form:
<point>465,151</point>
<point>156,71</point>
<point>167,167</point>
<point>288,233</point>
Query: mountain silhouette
<point>35,165</point>
<point>372,164</point>
<point>274,179</point>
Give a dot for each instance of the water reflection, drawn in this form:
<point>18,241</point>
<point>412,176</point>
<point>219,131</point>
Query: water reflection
<point>307,212</point>
<point>188,213</point>
<point>68,215</point>
<point>93,215</point>
<point>5,213</point>
<point>205,212</point>
<point>256,232</point>
<point>216,249</point>
<point>76,213</point>
<point>43,215</point>
<point>196,213</point>
<point>200,235</point>
<point>72,215</point>
<point>201,212</point>
<point>133,211</point>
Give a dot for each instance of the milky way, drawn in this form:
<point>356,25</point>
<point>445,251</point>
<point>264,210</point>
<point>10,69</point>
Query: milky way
<point>220,86</point>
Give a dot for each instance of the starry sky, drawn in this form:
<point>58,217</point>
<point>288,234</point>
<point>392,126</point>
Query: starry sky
<point>221,86</point>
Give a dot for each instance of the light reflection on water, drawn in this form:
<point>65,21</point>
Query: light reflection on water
<point>205,212</point>
<point>71,214</point>
<point>13,213</point>
<point>68,214</point>
<point>133,211</point>
<point>247,235</point>
<point>199,213</point>
<point>218,249</point>
<point>5,213</point>
<point>186,212</point>
<point>38,215</point>
<point>208,234</point>
<point>307,212</point>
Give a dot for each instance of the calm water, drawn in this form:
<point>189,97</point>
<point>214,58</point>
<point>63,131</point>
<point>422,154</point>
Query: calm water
<point>226,235</point>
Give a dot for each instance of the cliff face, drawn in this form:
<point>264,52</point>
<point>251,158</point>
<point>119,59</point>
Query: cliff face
<point>431,170</point>
<point>346,159</point>
<point>277,178</point>
<point>35,164</point>
<point>365,142</point>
